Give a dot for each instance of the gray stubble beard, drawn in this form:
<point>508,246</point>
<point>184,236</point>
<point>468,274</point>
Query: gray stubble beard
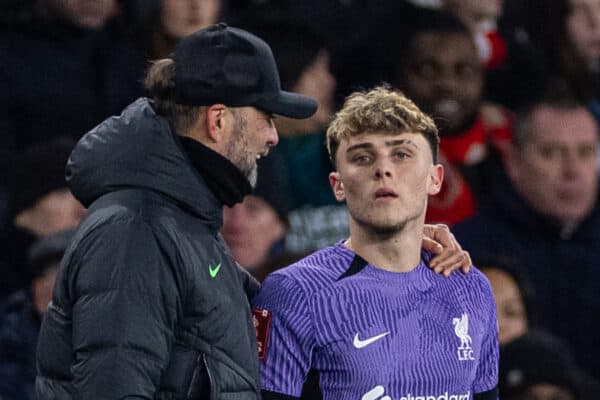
<point>236,151</point>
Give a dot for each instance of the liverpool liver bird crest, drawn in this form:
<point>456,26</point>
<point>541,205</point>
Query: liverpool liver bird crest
<point>461,328</point>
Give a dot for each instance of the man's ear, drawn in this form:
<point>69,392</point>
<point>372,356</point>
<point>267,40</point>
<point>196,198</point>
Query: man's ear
<point>436,177</point>
<point>216,123</point>
<point>337,186</point>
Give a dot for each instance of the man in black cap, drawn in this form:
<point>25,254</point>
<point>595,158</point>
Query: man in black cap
<point>149,302</point>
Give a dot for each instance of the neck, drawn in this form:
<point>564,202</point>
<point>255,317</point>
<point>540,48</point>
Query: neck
<point>396,252</point>
<point>221,176</point>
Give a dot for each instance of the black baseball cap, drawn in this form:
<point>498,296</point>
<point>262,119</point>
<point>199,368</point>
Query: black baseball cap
<point>223,64</point>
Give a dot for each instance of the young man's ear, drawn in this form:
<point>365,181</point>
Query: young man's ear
<point>337,186</point>
<point>436,177</point>
<point>216,123</point>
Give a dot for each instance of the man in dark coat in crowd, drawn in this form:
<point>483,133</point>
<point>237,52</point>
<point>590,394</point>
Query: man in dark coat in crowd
<point>544,214</point>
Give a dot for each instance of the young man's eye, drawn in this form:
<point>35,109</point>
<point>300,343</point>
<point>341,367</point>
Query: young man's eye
<point>361,159</point>
<point>401,155</point>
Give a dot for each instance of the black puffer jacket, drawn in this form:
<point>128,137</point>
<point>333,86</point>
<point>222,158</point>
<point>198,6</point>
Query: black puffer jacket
<point>149,302</point>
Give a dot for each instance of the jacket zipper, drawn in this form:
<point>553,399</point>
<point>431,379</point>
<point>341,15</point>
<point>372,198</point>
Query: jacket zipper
<point>210,378</point>
<point>193,378</point>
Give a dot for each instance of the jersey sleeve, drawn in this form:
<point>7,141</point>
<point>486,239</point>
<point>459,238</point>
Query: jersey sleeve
<point>285,335</point>
<point>485,386</point>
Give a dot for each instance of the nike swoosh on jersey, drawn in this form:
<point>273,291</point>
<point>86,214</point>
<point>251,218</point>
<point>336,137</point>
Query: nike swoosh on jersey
<point>359,344</point>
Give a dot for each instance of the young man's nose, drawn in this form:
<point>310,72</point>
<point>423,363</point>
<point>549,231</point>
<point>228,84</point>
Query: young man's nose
<point>383,168</point>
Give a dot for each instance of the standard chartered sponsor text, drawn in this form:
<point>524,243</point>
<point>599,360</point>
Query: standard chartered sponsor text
<point>445,396</point>
<point>379,390</point>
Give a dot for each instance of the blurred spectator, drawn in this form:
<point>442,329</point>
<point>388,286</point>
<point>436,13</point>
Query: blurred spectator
<point>514,296</point>
<point>88,14</point>
<point>316,219</point>
<point>147,30</point>
<point>303,62</point>
<point>475,12</point>
<point>159,24</point>
<point>481,17</point>
<point>437,66</point>
<point>542,60</point>
<point>20,318</point>
<point>40,203</point>
<point>255,229</point>
<point>538,366</point>
<point>544,213</point>
<point>55,68</point>
<point>273,264</point>
<point>352,30</point>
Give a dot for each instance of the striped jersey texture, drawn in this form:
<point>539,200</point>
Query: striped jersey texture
<point>376,334</point>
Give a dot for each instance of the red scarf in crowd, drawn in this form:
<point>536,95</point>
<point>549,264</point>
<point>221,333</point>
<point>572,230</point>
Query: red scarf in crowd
<point>456,202</point>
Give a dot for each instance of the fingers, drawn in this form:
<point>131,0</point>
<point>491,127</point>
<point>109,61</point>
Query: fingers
<point>466,267</point>
<point>445,237</point>
<point>441,234</point>
<point>432,246</point>
<point>448,255</point>
<point>428,231</point>
<point>451,262</point>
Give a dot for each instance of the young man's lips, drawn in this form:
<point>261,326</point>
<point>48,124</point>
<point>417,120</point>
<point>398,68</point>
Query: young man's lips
<point>385,193</point>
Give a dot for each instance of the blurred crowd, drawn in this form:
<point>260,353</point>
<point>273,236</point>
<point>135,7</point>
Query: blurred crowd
<point>514,87</point>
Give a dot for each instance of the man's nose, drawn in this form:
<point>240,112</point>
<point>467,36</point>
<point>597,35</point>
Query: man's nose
<point>272,136</point>
<point>446,83</point>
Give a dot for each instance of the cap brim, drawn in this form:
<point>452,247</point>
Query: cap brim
<point>289,104</point>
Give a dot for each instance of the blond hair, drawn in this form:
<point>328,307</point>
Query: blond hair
<point>380,110</point>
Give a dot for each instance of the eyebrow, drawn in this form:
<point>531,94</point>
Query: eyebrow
<point>390,143</point>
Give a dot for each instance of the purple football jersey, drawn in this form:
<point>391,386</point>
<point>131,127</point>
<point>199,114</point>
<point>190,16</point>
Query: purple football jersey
<point>373,334</point>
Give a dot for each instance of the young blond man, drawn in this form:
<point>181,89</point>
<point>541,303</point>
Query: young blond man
<point>367,313</point>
